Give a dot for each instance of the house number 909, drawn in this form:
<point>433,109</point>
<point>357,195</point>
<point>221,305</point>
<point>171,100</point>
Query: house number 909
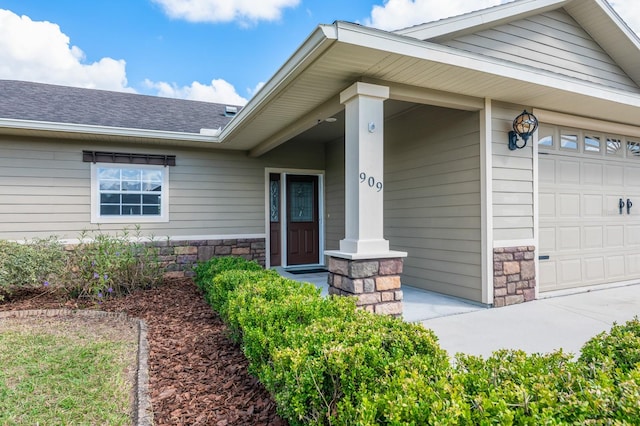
<point>371,181</point>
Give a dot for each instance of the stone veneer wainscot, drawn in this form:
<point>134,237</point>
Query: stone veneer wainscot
<point>514,275</point>
<point>179,257</point>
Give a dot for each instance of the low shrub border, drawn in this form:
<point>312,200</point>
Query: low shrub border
<point>327,363</point>
<point>100,266</point>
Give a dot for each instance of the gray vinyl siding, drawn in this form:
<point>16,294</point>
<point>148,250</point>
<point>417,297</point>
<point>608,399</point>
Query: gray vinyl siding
<point>45,189</point>
<point>334,193</point>
<point>552,41</point>
<point>512,180</point>
<point>432,198</point>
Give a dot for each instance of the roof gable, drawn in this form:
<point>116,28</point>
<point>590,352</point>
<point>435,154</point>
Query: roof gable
<point>552,41</point>
<point>594,21</point>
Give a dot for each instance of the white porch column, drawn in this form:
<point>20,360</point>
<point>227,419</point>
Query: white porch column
<point>364,266</point>
<point>364,169</point>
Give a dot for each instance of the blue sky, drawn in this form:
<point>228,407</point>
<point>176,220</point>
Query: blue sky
<point>214,50</point>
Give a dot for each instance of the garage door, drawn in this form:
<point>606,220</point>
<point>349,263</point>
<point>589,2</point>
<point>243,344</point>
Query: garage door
<point>589,209</point>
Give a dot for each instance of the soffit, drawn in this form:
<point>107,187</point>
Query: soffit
<point>365,54</point>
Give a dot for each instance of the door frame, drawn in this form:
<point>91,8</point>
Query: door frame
<point>284,172</point>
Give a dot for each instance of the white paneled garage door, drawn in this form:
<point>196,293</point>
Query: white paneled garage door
<point>589,208</point>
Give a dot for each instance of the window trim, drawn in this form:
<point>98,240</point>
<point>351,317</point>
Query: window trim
<point>95,195</point>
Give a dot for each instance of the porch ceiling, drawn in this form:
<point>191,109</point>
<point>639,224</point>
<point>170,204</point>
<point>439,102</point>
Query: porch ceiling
<point>352,53</point>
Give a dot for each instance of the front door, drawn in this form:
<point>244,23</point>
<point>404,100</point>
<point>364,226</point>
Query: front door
<point>303,230</point>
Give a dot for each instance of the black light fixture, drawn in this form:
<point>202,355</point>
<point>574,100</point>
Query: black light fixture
<point>523,125</point>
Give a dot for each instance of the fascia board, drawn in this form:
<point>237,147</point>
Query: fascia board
<point>619,23</point>
<point>313,46</point>
<point>481,19</point>
<point>46,126</point>
<point>407,46</point>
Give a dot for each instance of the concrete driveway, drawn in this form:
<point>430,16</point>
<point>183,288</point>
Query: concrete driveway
<point>543,325</point>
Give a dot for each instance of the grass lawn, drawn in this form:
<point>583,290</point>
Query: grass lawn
<point>69,370</point>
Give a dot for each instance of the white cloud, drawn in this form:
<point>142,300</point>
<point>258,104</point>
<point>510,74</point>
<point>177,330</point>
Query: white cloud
<point>219,91</point>
<point>256,89</point>
<point>396,14</point>
<point>39,51</point>
<point>244,11</point>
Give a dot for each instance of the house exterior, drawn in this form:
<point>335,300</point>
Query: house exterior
<point>382,155</point>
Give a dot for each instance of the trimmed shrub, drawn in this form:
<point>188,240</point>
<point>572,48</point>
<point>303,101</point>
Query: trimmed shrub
<point>322,359</point>
<point>271,309</point>
<point>35,263</point>
<point>620,346</point>
<point>206,271</point>
<point>411,397</point>
<point>511,387</point>
<point>337,369</point>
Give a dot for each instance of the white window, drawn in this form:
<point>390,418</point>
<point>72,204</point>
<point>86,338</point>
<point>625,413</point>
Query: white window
<point>129,193</point>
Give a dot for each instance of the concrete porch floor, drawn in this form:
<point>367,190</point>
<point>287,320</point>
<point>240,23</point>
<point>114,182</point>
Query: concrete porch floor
<point>419,305</point>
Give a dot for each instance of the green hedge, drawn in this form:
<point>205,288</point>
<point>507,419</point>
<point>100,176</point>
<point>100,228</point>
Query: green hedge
<point>327,363</point>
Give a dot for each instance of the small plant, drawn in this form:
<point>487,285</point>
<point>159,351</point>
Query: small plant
<point>105,265</point>
<point>33,263</point>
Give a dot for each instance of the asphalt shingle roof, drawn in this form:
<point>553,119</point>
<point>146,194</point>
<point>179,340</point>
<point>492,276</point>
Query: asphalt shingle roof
<point>46,102</point>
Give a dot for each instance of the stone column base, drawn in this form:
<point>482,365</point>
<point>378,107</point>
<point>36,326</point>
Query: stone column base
<point>514,275</point>
<point>375,282</point>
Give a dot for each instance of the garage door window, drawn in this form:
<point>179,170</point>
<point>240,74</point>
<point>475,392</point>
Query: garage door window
<point>633,148</point>
<point>614,146</point>
<point>545,137</point>
<point>592,144</point>
<point>569,141</point>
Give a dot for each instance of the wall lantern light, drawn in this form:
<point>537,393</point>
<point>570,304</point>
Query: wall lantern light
<point>524,125</point>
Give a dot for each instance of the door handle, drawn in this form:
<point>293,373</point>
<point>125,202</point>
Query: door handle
<point>629,205</point>
<point>621,205</point>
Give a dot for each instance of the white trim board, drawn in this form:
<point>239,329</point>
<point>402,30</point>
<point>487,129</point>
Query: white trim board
<point>486,184</point>
<point>514,243</point>
<point>168,238</point>
<point>566,120</point>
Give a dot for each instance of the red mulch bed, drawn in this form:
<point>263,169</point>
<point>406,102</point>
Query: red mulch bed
<point>197,375</point>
